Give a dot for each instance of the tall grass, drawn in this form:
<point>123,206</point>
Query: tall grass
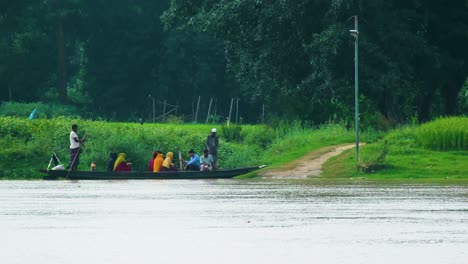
<point>26,145</point>
<point>43,110</point>
<point>444,134</point>
<point>412,152</point>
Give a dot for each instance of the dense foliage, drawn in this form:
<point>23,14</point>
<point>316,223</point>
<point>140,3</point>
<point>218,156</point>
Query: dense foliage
<point>26,145</point>
<point>296,57</point>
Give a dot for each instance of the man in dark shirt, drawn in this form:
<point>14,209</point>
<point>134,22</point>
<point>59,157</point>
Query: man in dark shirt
<point>111,161</point>
<point>212,145</point>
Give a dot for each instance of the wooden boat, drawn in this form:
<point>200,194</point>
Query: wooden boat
<point>146,175</point>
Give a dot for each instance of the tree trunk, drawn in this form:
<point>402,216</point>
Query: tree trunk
<point>426,100</point>
<point>61,63</point>
<point>450,93</point>
<point>10,93</point>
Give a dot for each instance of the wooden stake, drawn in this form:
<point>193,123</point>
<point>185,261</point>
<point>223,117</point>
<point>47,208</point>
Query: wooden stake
<point>215,108</point>
<point>164,111</point>
<point>263,113</point>
<point>237,111</point>
<point>198,106</point>
<point>230,111</point>
<point>209,109</point>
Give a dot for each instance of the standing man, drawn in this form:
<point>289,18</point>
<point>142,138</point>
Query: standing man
<point>75,146</point>
<point>212,144</point>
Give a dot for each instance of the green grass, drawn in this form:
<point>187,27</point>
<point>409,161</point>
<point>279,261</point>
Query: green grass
<point>444,134</point>
<point>405,157</point>
<point>26,145</point>
<point>43,110</point>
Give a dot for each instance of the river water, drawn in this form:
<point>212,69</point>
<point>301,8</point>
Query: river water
<point>232,221</point>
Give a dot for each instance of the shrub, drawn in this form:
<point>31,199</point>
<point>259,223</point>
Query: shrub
<point>373,157</point>
<point>231,133</point>
<point>261,136</point>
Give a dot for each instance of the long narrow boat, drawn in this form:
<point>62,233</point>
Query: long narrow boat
<point>145,175</point>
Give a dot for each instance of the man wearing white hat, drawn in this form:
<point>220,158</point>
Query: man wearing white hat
<point>212,144</point>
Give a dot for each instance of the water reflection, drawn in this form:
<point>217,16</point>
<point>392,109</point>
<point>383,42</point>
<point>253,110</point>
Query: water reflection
<point>232,221</point>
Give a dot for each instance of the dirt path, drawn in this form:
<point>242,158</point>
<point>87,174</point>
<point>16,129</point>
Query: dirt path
<point>309,165</point>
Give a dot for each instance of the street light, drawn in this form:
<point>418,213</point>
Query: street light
<point>154,111</point>
<point>355,33</point>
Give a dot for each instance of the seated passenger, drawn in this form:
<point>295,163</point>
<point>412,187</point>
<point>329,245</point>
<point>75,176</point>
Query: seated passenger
<point>158,162</point>
<point>151,163</point>
<point>111,161</point>
<point>206,161</point>
<point>121,164</point>
<point>167,164</point>
<point>194,162</point>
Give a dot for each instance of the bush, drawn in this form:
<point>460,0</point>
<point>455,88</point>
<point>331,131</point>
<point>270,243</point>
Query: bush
<point>373,158</point>
<point>261,136</point>
<point>231,133</point>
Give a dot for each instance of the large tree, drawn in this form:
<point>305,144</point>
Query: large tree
<point>411,52</point>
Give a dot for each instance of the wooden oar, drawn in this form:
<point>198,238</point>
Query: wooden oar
<point>76,155</point>
<point>180,159</point>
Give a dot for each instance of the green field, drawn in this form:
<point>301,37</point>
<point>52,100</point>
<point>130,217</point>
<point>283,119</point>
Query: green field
<point>435,150</point>
<point>26,145</point>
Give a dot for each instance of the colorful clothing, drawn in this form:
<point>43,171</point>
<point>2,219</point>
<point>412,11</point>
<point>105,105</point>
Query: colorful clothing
<point>193,163</point>
<point>119,163</point>
<point>151,165</point>
<point>158,162</point>
<point>123,166</point>
<point>168,160</point>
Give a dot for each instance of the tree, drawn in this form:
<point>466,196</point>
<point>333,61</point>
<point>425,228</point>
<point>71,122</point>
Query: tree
<point>411,52</point>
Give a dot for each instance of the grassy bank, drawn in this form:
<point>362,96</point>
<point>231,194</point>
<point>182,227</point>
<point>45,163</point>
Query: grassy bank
<point>26,145</point>
<point>436,150</point>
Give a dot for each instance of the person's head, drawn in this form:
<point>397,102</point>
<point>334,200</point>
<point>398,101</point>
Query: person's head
<point>213,132</point>
<point>75,127</point>
<point>113,155</point>
<point>206,153</point>
<point>191,152</point>
<point>169,155</point>
<point>155,154</point>
<point>122,155</point>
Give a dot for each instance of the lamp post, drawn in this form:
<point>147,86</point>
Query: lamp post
<point>154,109</point>
<point>355,33</point>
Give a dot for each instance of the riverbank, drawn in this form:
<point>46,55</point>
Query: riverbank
<point>433,151</point>
<point>26,145</point>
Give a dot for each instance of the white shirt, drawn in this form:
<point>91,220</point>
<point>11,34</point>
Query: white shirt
<point>73,143</point>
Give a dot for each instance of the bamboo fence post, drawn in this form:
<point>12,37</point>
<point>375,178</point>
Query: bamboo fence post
<point>198,106</point>
<point>237,111</point>
<point>209,110</point>
<point>230,112</point>
<point>164,112</point>
<point>263,113</point>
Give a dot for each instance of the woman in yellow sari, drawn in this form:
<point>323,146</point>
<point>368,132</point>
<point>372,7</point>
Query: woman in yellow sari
<point>167,164</point>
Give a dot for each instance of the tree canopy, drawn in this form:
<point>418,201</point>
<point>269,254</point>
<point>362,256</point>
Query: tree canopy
<point>296,57</point>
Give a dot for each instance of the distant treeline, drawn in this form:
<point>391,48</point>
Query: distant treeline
<point>282,59</point>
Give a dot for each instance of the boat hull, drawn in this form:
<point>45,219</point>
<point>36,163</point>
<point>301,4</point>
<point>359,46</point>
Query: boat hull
<point>134,175</point>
